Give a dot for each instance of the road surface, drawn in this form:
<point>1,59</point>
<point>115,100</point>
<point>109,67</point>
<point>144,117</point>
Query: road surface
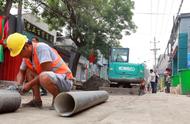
<point>157,108</point>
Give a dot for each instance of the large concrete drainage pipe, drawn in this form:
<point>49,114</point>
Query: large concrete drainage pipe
<point>9,101</point>
<point>69,103</point>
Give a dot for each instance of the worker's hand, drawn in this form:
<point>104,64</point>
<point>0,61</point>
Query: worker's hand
<point>18,88</point>
<point>12,87</point>
<point>24,88</point>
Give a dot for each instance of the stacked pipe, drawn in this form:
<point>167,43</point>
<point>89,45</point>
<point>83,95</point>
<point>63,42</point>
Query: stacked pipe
<point>69,103</point>
<point>9,101</point>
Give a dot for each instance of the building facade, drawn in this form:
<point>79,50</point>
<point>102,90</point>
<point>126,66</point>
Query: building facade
<point>178,47</point>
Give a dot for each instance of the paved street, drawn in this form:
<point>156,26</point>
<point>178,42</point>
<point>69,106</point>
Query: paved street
<point>157,108</point>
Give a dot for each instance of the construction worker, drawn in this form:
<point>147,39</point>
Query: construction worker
<point>47,68</point>
<point>43,91</point>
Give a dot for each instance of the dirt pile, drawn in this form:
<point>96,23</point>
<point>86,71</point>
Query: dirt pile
<point>5,84</point>
<point>94,83</point>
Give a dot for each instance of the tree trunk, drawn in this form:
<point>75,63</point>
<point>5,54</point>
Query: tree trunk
<point>7,8</point>
<point>73,61</point>
<point>19,18</point>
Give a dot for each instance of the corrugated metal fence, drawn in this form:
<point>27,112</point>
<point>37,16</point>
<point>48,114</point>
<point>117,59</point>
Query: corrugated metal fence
<point>9,67</point>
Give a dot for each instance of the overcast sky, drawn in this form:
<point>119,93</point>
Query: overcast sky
<point>154,18</point>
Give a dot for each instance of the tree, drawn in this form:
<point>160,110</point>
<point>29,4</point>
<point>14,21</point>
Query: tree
<point>5,7</point>
<point>89,23</point>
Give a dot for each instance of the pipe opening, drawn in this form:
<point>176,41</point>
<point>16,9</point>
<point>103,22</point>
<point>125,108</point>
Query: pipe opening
<point>64,103</point>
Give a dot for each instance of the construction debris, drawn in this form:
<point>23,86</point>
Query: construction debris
<point>6,84</point>
<point>94,83</point>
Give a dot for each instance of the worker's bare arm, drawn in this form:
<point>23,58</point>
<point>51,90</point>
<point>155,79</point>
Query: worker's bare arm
<point>20,76</point>
<point>46,66</point>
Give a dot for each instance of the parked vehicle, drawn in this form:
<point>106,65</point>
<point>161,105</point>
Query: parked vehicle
<point>121,73</point>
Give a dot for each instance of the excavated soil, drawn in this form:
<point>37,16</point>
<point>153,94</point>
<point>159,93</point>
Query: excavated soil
<point>94,83</point>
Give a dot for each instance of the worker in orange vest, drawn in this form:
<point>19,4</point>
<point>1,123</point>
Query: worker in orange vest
<point>43,91</point>
<point>47,68</point>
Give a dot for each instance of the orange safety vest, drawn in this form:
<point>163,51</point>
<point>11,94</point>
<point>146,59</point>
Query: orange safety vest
<point>58,65</point>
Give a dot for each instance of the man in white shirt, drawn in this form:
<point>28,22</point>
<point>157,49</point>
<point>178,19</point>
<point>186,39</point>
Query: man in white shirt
<point>152,79</point>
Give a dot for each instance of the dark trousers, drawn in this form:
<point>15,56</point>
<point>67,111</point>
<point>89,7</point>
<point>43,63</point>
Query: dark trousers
<point>167,87</point>
<point>154,87</point>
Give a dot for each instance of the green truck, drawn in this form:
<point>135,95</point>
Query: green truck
<point>121,73</point>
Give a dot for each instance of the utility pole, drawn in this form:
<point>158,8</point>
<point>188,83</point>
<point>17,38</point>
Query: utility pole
<point>155,49</point>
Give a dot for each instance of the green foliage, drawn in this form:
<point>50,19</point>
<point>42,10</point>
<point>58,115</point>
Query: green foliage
<point>89,23</point>
<point>4,4</point>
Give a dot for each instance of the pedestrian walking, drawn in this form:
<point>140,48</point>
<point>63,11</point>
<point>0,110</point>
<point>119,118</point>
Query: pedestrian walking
<point>156,80</point>
<point>167,76</point>
<point>152,80</point>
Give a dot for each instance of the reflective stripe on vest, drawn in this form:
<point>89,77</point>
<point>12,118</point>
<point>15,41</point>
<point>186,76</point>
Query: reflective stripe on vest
<point>58,65</point>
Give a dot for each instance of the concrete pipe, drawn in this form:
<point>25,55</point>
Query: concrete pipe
<point>69,103</point>
<point>9,101</point>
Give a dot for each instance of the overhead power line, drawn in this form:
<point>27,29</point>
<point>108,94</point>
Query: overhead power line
<point>157,18</point>
<point>155,49</point>
<point>163,18</point>
<point>50,9</point>
<point>149,13</point>
<point>180,6</point>
<point>151,18</point>
<point>179,9</point>
<point>166,26</point>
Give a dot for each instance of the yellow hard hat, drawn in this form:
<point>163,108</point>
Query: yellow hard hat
<point>15,43</point>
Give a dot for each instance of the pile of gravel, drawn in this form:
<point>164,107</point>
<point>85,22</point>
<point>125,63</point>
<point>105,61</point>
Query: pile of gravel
<point>94,83</point>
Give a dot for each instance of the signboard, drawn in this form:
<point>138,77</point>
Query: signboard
<point>37,31</point>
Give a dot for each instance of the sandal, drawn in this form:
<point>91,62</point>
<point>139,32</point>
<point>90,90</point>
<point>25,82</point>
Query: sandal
<point>33,103</point>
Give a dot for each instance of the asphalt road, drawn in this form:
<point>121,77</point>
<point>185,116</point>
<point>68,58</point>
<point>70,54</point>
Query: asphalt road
<point>157,108</point>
